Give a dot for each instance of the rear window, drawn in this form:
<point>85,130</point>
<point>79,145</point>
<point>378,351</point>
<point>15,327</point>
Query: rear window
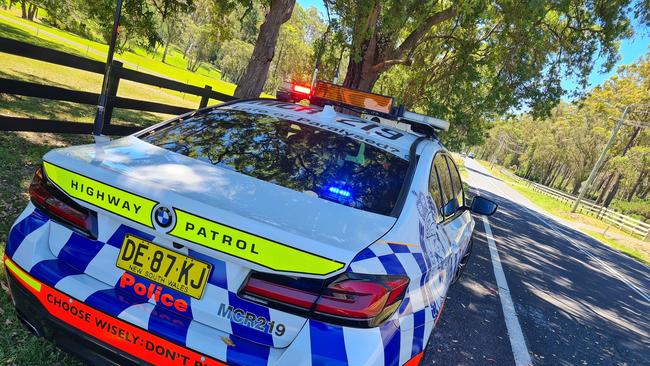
<point>290,154</point>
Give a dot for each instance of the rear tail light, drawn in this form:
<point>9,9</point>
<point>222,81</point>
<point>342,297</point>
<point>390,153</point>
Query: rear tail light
<point>60,207</point>
<point>351,299</point>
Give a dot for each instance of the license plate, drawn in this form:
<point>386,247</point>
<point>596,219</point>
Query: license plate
<point>161,265</point>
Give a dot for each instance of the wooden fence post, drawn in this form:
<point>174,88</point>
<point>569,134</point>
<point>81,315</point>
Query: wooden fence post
<point>205,97</point>
<point>113,84</point>
<point>647,237</point>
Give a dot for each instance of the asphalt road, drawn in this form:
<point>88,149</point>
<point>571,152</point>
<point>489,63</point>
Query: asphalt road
<point>577,301</point>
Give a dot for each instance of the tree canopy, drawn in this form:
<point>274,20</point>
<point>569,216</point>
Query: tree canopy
<point>470,61</point>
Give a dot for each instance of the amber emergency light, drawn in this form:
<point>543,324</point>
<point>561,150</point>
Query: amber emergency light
<point>353,98</point>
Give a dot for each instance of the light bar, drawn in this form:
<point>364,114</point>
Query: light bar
<point>339,191</point>
<point>427,120</point>
<point>353,98</point>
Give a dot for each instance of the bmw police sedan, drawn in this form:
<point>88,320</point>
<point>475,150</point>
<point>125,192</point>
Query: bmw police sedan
<point>255,232</point>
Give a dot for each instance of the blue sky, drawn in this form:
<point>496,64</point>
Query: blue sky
<point>318,4</point>
<point>630,50</point>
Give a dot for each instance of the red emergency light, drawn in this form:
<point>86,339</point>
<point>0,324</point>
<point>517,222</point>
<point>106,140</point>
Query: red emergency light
<point>301,89</point>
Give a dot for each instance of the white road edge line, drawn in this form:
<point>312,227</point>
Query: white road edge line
<point>517,341</point>
<point>551,225</point>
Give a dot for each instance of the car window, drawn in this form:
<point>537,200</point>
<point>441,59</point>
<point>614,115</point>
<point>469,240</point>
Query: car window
<point>449,204</point>
<point>456,182</point>
<point>290,154</point>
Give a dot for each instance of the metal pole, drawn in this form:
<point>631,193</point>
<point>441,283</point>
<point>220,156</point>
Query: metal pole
<point>103,97</point>
<point>601,159</point>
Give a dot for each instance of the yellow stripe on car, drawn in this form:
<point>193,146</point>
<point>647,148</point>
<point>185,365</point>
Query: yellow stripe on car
<point>29,280</point>
<point>107,197</point>
<point>253,248</point>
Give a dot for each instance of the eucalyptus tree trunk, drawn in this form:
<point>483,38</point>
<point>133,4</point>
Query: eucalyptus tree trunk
<point>252,82</point>
<point>372,56</point>
<point>528,170</point>
<point>617,178</point>
<point>164,55</point>
<point>31,11</point>
<point>636,185</point>
<point>188,47</point>
<point>645,193</point>
<point>170,29</point>
<point>603,193</point>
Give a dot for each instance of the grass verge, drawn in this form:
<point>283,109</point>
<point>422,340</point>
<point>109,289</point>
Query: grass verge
<point>20,154</point>
<point>589,225</point>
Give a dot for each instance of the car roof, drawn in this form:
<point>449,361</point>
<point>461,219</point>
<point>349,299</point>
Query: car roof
<point>394,140</point>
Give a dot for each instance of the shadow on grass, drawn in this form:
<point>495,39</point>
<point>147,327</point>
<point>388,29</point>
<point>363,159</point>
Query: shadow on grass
<point>20,106</point>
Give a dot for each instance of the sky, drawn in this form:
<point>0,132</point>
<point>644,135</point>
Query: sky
<point>318,4</point>
<point>630,50</point>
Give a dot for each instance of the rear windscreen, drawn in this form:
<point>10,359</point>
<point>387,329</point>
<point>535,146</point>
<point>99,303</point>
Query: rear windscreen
<point>290,154</point>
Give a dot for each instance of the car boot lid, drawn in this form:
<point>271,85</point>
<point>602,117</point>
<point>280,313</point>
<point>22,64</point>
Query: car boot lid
<point>216,211</point>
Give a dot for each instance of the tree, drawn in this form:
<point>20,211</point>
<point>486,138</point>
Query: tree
<point>169,11</point>
<point>29,9</point>
<point>256,73</point>
<point>630,86</point>
<point>294,60</point>
<point>208,27</point>
<point>469,61</point>
<point>137,21</point>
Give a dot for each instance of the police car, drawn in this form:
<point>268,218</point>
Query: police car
<point>255,232</point>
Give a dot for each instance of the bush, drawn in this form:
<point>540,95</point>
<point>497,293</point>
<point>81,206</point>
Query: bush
<point>637,208</point>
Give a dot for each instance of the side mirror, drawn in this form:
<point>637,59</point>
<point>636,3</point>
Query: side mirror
<point>483,206</point>
<point>450,208</point>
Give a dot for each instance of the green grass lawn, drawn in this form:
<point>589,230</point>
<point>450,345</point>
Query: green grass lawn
<point>589,225</point>
<point>174,68</point>
<point>15,67</point>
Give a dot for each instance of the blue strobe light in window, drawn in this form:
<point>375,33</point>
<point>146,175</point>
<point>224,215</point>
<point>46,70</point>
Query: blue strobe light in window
<point>339,191</point>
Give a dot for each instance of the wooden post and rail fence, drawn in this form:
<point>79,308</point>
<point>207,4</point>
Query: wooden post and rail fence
<point>29,89</point>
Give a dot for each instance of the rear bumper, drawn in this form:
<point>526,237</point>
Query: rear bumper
<point>89,333</point>
<point>164,337</point>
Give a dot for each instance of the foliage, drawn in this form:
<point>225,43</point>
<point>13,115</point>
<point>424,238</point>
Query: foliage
<point>94,19</point>
<point>469,61</point>
<point>295,54</point>
<point>560,150</point>
<point>233,62</point>
<point>637,207</point>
